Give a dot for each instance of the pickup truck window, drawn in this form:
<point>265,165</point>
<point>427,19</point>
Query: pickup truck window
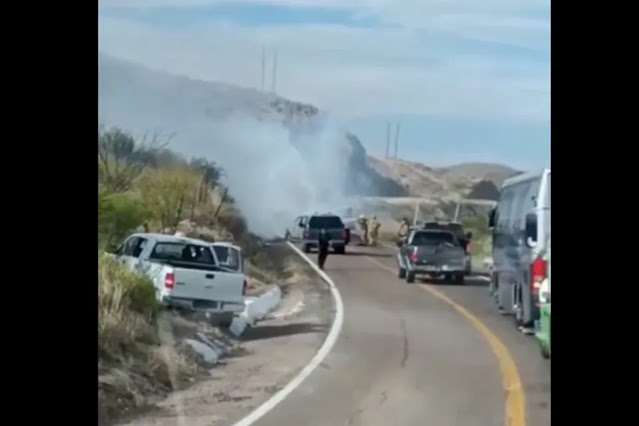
<point>227,257</point>
<point>432,238</point>
<point>182,252</point>
<point>139,246</point>
<point>128,245</point>
<point>325,222</point>
<point>455,228</point>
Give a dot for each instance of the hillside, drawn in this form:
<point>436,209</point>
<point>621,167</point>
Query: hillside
<point>144,100</point>
<point>423,181</point>
<point>296,155</point>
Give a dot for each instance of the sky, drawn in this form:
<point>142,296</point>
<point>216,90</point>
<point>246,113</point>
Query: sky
<point>468,80</point>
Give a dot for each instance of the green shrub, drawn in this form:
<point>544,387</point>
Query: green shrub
<point>118,214</point>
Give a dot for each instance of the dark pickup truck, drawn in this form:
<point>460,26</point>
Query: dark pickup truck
<point>305,231</point>
<point>463,237</point>
<point>433,252</point>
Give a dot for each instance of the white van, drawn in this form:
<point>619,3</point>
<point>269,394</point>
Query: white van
<point>521,235</point>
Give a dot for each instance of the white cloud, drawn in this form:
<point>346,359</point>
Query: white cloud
<point>414,66</point>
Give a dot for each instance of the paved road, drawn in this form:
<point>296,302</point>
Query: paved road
<point>405,357</point>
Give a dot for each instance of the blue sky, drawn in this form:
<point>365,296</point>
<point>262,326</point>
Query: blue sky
<point>469,80</point>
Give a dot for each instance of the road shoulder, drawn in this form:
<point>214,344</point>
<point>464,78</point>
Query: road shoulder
<point>269,355</point>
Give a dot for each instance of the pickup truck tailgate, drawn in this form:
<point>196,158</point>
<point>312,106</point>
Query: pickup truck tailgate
<point>440,255</point>
<point>208,285</point>
<point>334,234</point>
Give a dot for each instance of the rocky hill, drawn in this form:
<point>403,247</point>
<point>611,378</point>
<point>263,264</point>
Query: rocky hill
<point>455,181</point>
<point>144,100</point>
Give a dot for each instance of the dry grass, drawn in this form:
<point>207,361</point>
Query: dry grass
<point>138,357</point>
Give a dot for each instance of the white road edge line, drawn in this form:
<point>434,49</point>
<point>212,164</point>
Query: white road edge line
<point>323,351</point>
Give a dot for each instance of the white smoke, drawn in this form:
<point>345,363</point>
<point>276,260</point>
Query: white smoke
<point>273,173</point>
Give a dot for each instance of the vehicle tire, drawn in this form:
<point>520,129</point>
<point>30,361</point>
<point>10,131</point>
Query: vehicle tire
<point>545,354</point>
<point>307,248</point>
<point>410,277</point>
<point>340,250</point>
<point>493,287</point>
<point>401,273</point>
<point>518,311</point>
<point>459,279</point>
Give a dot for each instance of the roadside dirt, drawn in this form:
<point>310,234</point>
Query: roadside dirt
<point>265,358</point>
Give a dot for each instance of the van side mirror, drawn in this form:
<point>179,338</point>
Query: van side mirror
<point>491,217</point>
<point>469,236</point>
<point>531,228</point>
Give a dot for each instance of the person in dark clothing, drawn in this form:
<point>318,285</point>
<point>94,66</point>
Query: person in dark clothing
<point>323,242</point>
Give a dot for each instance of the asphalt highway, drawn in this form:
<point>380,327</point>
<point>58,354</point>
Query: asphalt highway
<point>418,354</point>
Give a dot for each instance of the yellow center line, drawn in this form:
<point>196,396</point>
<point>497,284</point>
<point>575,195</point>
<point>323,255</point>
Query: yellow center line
<point>514,410</point>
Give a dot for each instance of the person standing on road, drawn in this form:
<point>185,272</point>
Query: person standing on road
<point>403,230</point>
<point>373,228</point>
<point>323,243</point>
<point>363,224</point>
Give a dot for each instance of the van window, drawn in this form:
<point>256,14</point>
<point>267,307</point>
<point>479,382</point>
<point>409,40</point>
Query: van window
<point>530,201</point>
<point>547,198</point>
<point>520,192</point>
<point>504,207</point>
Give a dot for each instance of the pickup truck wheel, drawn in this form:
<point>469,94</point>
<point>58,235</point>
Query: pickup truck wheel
<point>401,273</point>
<point>410,277</point>
<point>307,248</point>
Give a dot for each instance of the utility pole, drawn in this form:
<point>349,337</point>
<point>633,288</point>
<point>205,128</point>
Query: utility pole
<point>263,68</point>
<point>274,70</point>
<point>388,130</point>
<point>396,139</point>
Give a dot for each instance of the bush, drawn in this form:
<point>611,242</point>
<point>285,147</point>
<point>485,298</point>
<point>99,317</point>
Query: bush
<point>126,307</point>
<point>136,359</point>
<point>118,214</point>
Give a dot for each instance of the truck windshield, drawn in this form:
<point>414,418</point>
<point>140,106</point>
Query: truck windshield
<point>325,222</point>
<point>432,238</point>
<point>182,253</point>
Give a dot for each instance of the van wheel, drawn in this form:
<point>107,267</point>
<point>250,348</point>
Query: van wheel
<point>519,312</point>
<point>493,288</point>
<point>459,279</point>
<point>401,273</point>
<point>410,277</point>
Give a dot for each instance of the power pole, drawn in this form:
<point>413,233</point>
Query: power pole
<point>388,130</point>
<point>396,139</point>
<point>274,70</point>
<point>263,68</point>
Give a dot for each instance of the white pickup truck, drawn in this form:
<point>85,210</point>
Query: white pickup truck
<point>188,273</point>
